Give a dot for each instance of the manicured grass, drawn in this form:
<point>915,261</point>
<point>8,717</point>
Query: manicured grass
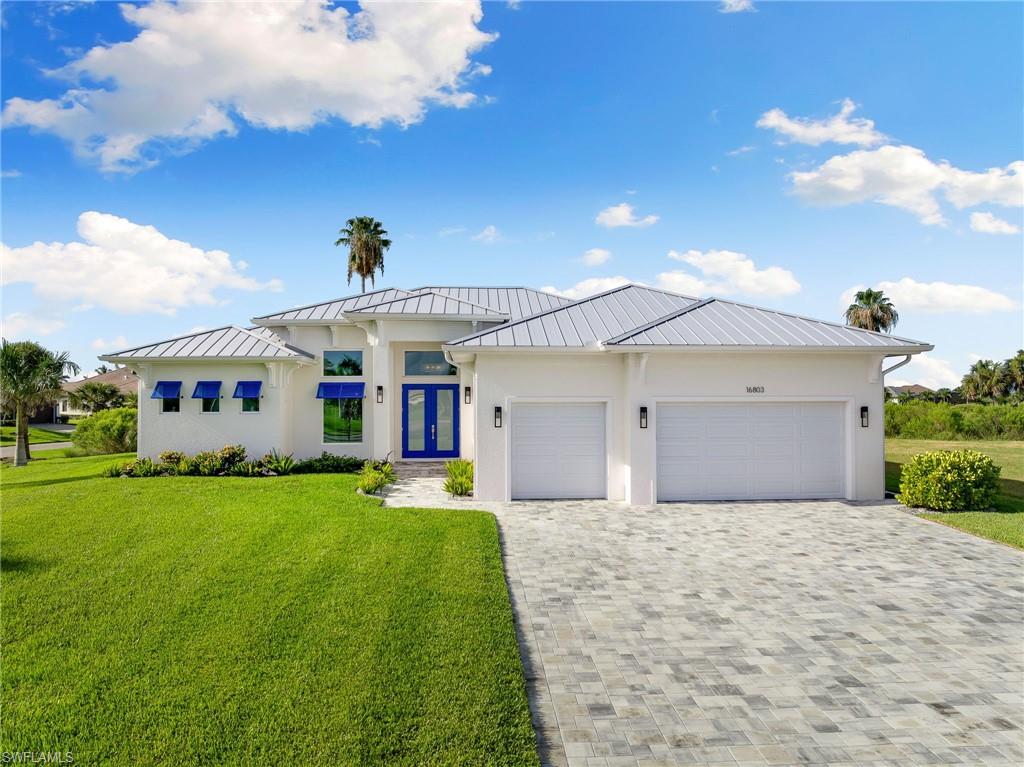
<point>282,620</point>
<point>36,436</point>
<point>1006,522</point>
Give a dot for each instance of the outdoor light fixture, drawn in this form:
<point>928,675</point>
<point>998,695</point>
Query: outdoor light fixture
<point>643,416</point>
<point>380,394</point>
<point>864,416</point>
<point>497,416</point>
<point>469,396</point>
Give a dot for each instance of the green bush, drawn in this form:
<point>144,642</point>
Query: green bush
<point>248,469</point>
<point>460,477</point>
<point>108,431</point>
<point>371,481</point>
<point>949,480</point>
<point>206,464</point>
<point>939,420</point>
<point>229,456</point>
<point>172,457</point>
<point>328,463</point>
<point>385,467</point>
<point>278,463</point>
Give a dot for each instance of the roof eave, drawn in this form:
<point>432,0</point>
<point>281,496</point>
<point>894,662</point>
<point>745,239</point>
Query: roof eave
<point>298,359</point>
<point>885,350</point>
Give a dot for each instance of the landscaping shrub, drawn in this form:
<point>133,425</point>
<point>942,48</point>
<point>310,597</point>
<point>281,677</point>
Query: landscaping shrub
<point>278,463</point>
<point>385,468</point>
<point>229,456</point>
<point>939,420</point>
<point>371,481</point>
<point>460,477</point>
<point>249,469</point>
<point>206,464</point>
<point>108,431</point>
<point>328,464</point>
<point>949,480</point>
<point>172,457</point>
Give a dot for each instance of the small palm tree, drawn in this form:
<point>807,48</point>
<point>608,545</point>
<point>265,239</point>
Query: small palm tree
<point>943,395</point>
<point>366,240</point>
<point>985,380</point>
<point>871,310</point>
<point>94,396</point>
<point>30,377</point>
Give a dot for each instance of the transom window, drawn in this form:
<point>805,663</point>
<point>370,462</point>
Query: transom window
<point>428,364</point>
<point>343,363</point>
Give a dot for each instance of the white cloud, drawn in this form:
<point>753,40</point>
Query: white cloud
<point>724,272</point>
<point>12,173</point>
<point>197,69</point>
<point>126,267</point>
<point>623,215</point>
<point>903,177</point>
<point>739,150</point>
<point>114,344</point>
<point>448,231</point>
<point>840,128</point>
<point>22,325</point>
<point>595,256</point>
<point>589,287</point>
<point>736,6</point>
<point>990,224</point>
<point>488,234</point>
<point>927,371</point>
<point>937,297</point>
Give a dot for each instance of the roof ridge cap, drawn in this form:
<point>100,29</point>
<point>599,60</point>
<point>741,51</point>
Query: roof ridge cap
<point>697,304</point>
<point>328,301</point>
<point>424,292</point>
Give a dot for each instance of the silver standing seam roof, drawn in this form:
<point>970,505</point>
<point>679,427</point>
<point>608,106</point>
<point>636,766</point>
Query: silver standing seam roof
<point>431,303</point>
<point>513,301</point>
<point>228,342</point>
<point>333,309</point>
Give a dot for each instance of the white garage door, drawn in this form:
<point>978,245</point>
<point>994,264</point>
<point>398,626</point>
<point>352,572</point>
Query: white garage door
<point>750,451</point>
<point>558,451</point>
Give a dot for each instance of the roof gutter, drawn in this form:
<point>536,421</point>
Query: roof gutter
<point>906,359</point>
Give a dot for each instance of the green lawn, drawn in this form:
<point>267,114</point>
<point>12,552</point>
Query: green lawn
<point>1006,522</point>
<point>36,436</point>
<point>227,621</point>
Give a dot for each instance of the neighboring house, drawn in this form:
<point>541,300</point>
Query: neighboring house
<point>915,390</point>
<point>634,394</point>
<point>123,378</point>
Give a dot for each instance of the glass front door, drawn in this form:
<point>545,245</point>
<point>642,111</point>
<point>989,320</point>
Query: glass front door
<point>430,421</point>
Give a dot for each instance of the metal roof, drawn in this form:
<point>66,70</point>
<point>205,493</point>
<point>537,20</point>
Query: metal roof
<point>228,342</point>
<point>516,302</point>
<point>333,309</point>
<point>719,323</point>
<point>432,303</point>
<point>586,322</point>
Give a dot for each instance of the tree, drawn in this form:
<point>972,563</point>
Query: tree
<point>366,240</point>
<point>1014,373</point>
<point>94,396</point>
<point>942,395</point>
<point>871,310</point>
<point>102,369</point>
<point>985,380</point>
<point>30,376</point>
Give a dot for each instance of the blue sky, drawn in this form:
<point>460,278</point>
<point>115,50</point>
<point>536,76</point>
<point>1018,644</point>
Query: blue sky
<point>780,156</point>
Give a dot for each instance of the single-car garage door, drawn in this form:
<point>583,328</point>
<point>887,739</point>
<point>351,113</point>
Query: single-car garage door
<point>750,451</point>
<point>558,450</point>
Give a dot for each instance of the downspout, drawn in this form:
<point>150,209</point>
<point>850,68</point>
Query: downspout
<point>906,359</point>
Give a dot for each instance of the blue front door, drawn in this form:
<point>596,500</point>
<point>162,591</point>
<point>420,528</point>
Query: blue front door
<point>430,421</point>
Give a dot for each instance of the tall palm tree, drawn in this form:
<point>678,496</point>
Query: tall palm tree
<point>871,310</point>
<point>366,240</point>
<point>985,380</point>
<point>30,376</point>
<point>1014,369</point>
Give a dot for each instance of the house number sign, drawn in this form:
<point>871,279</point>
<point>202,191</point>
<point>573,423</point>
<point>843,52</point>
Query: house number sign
<point>755,390</point>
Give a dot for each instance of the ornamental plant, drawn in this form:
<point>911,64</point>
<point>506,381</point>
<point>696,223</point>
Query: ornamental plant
<point>460,477</point>
<point>949,480</point>
<point>109,431</point>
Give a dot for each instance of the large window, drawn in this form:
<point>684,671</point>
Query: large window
<point>345,363</point>
<point>343,420</point>
<point>428,364</point>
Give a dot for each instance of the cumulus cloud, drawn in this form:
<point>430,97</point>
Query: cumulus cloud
<point>196,70</point>
<point>937,297</point>
<point>736,6</point>
<point>589,287</point>
<point>927,371</point>
<point>724,272</point>
<point>595,256</point>
<point>22,325</point>
<point>841,128</point>
<point>903,177</point>
<point>115,343</point>
<point>990,224</point>
<point>126,267</point>
<point>623,215</point>
<point>488,235</point>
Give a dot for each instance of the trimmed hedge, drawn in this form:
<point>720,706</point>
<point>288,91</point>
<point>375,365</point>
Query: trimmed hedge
<point>940,420</point>
<point>108,431</point>
<point>949,480</point>
<point>230,461</point>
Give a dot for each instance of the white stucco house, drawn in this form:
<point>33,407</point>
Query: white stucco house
<point>634,394</point>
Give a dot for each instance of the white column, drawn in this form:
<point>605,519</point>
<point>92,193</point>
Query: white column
<point>380,444</point>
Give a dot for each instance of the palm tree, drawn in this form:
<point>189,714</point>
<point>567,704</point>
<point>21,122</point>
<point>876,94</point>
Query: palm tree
<point>30,376</point>
<point>94,396</point>
<point>1014,371</point>
<point>871,310</point>
<point>985,380</point>
<point>367,240</point>
<point>942,395</point>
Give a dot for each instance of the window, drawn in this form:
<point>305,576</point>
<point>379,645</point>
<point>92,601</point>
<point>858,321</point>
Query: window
<point>343,419</point>
<point>428,364</point>
<point>250,404</point>
<point>170,405</point>
<point>249,393</point>
<point>343,363</point>
<point>211,404</point>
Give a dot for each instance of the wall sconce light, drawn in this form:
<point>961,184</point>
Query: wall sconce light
<point>497,416</point>
<point>380,394</point>
<point>643,416</point>
<point>864,416</point>
<point>468,398</point>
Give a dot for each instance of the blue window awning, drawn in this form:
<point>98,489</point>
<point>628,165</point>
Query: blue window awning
<point>206,390</point>
<point>166,390</point>
<point>332,390</point>
<point>247,389</point>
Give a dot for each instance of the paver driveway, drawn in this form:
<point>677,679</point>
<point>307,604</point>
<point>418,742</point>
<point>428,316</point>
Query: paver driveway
<point>765,633</point>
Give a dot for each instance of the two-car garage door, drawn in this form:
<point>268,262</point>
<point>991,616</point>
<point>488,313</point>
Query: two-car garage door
<point>712,451</point>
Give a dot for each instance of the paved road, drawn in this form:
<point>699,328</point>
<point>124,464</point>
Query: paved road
<point>7,451</point>
<point>805,633</point>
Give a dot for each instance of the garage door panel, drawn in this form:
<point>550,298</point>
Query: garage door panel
<point>750,451</point>
<point>558,450</point>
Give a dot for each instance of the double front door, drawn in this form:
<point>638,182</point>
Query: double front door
<point>430,421</point>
